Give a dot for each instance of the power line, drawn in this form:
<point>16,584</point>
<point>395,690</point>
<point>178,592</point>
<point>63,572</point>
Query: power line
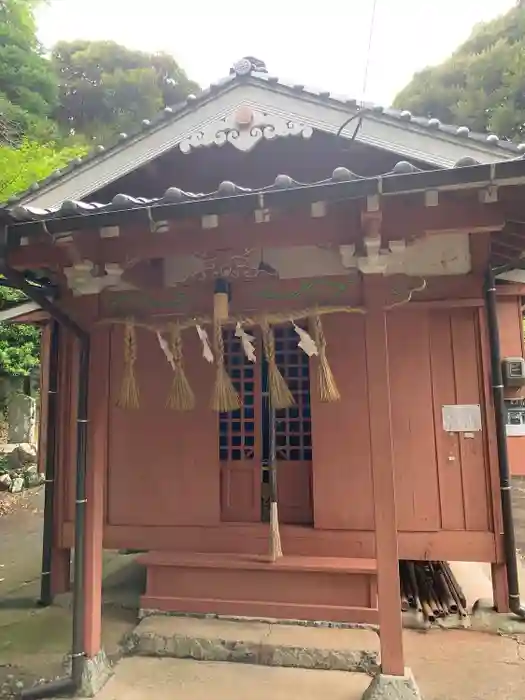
<point>369,49</point>
<point>362,110</point>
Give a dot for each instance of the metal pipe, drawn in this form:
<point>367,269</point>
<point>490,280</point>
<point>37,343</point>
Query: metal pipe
<point>46,594</point>
<point>68,686</point>
<point>509,537</point>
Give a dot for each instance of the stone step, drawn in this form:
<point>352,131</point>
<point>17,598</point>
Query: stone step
<point>265,643</point>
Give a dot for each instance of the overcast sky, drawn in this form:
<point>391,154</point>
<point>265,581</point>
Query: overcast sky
<point>321,44</point>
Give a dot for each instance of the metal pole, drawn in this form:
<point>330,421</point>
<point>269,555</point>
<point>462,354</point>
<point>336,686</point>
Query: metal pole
<point>46,595</point>
<point>509,537</point>
<point>68,686</point>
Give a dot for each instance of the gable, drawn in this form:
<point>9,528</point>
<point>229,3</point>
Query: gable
<point>276,110</point>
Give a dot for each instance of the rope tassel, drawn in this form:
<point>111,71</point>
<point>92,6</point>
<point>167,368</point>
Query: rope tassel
<point>181,396</point>
<point>276,550</point>
<point>280,394</point>
<point>225,398</point>
<point>129,393</point>
<point>328,391</point>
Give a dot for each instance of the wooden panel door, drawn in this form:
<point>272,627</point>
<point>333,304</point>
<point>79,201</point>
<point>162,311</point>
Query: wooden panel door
<point>239,439</point>
<point>293,432</point>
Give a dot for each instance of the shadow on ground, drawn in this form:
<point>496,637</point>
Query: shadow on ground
<point>35,642</point>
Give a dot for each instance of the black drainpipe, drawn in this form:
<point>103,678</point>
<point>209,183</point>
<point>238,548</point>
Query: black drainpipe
<point>68,686</point>
<point>46,595</point>
<point>509,537</point>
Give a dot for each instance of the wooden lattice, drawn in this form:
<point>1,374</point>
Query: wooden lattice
<point>294,424</point>
<point>237,429</point>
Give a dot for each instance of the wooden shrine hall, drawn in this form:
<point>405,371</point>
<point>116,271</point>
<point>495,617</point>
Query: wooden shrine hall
<point>281,387</point>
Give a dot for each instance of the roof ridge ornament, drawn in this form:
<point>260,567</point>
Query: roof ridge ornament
<point>243,129</point>
<point>247,65</point>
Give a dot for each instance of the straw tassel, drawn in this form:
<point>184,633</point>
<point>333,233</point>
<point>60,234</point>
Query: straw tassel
<point>129,393</point>
<point>181,396</point>
<point>328,391</point>
<point>280,394</point>
<point>276,550</point>
<point>224,398</point>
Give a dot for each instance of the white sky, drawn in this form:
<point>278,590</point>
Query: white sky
<point>322,44</point>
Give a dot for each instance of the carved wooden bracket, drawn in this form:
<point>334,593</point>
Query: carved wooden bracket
<point>244,128</point>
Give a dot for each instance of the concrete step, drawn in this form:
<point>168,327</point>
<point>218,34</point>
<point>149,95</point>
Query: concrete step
<point>142,679</point>
<point>264,643</point>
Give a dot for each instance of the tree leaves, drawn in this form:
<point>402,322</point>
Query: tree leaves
<point>50,108</point>
<point>30,162</point>
<point>106,89</point>
<point>482,85</point>
<point>28,89</point>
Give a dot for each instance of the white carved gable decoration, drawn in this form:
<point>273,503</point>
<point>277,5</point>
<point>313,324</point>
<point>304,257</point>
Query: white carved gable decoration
<point>243,129</point>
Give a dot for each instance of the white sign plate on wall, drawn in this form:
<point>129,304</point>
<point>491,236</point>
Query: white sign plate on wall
<point>462,418</point>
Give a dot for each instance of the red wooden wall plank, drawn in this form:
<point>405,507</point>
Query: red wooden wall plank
<point>417,489</point>
<point>342,477</point>
<point>465,341</point>
<point>163,464</point>
<point>448,453</point>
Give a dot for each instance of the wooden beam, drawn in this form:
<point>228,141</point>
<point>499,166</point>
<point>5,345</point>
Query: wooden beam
<point>400,220</point>
<point>452,214</point>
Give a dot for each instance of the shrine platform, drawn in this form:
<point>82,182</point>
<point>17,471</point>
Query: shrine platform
<point>293,588</point>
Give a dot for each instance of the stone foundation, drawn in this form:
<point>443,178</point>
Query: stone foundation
<point>261,643</point>
<point>385,687</point>
<point>97,672</point>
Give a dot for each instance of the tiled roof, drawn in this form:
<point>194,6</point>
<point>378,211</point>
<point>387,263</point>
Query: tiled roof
<point>284,191</point>
<point>246,70</point>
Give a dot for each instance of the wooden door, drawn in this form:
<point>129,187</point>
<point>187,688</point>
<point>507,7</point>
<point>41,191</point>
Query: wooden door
<point>294,432</point>
<point>239,439</point>
<point>244,436</point>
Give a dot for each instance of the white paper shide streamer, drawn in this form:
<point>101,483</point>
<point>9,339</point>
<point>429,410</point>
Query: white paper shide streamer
<point>306,342</point>
<point>246,341</point>
<point>166,350</point>
<point>206,349</point>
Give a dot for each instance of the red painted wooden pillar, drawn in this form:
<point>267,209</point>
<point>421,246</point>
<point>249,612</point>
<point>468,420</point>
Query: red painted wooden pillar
<point>390,621</point>
<point>96,472</point>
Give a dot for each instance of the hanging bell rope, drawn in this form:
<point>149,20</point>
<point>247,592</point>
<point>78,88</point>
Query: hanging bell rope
<point>328,391</point>
<point>129,393</point>
<point>224,398</point>
<point>181,396</point>
<point>280,394</point>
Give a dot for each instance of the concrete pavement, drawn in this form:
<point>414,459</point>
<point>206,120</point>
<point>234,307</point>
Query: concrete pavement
<point>447,665</point>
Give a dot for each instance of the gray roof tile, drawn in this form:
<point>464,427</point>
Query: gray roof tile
<point>258,77</point>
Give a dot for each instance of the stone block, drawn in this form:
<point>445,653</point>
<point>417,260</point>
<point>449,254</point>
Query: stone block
<point>97,672</point>
<point>17,485</point>
<point>384,687</point>
<point>21,417</point>
<point>5,482</point>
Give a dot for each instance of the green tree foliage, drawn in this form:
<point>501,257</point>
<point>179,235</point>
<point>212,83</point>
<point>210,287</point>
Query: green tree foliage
<point>49,109</point>
<point>19,168</point>
<point>482,85</point>
<point>106,88</point>
<point>28,88</point>
<point>19,342</point>
<point>31,161</point>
